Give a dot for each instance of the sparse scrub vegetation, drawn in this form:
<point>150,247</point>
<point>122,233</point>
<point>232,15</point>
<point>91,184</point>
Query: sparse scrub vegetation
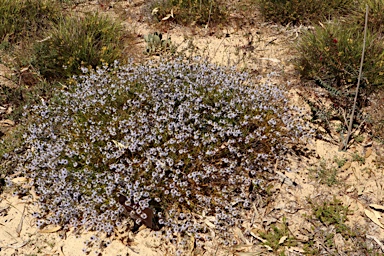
<point>189,149</point>
<point>278,237</point>
<point>297,12</point>
<point>329,219</point>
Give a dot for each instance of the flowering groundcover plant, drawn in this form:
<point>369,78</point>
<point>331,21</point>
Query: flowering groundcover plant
<point>175,139</point>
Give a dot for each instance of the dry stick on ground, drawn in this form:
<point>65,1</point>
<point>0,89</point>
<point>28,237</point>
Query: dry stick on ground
<point>344,147</point>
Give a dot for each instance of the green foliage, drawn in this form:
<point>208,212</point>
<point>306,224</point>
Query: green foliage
<point>326,175</point>
<point>332,213</point>
<point>156,44</point>
<point>78,41</point>
<point>8,143</point>
<point>189,11</point>
<point>328,219</point>
<point>303,11</point>
<point>330,56</point>
<point>26,18</point>
<point>274,236</point>
<point>340,161</point>
<point>375,16</point>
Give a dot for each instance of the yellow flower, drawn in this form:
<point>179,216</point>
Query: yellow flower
<point>340,54</point>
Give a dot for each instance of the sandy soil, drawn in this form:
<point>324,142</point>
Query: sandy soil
<point>268,51</point>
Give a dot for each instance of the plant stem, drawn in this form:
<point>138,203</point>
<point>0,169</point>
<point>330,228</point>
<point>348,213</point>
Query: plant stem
<point>344,147</point>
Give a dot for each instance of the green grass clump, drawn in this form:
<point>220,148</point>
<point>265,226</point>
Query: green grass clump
<point>26,18</point>
<point>79,41</point>
<point>189,11</point>
<point>329,219</point>
<point>303,11</point>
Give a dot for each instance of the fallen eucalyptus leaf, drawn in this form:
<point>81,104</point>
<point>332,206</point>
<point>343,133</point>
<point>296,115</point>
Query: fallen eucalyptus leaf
<point>19,180</point>
<point>50,230</point>
<point>373,217</point>
<point>377,214</point>
<point>253,233</point>
<point>368,152</point>
<point>282,239</point>
<point>168,16</point>
<point>346,166</point>
<point>377,207</point>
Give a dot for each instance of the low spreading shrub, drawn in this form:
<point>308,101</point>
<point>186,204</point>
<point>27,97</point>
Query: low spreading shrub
<point>171,141</point>
<point>188,11</point>
<point>78,41</point>
<point>26,18</point>
<point>303,11</point>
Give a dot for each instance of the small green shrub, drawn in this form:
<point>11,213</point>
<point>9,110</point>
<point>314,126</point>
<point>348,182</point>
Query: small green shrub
<point>332,213</point>
<point>189,11</point>
<point>303,11</point>
<point>26,18</point>
<point>157,45</point>
<point>26,95</point>
<point>330,55</point>
<point>79,41</point>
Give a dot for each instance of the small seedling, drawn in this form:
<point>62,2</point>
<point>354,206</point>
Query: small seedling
<point>326,175</point>
<point>277,236</point>
<point>156,44</point>
<point>356,157</point>
<point>340,161</point>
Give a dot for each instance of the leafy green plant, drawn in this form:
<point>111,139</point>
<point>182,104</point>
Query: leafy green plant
<point>79,41</point>
<point>26,18</point>
<point>188,11</point>
<point>303,11</point>
<point>156,44</point>
<point>331,54</point>
<point>329,218</point>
